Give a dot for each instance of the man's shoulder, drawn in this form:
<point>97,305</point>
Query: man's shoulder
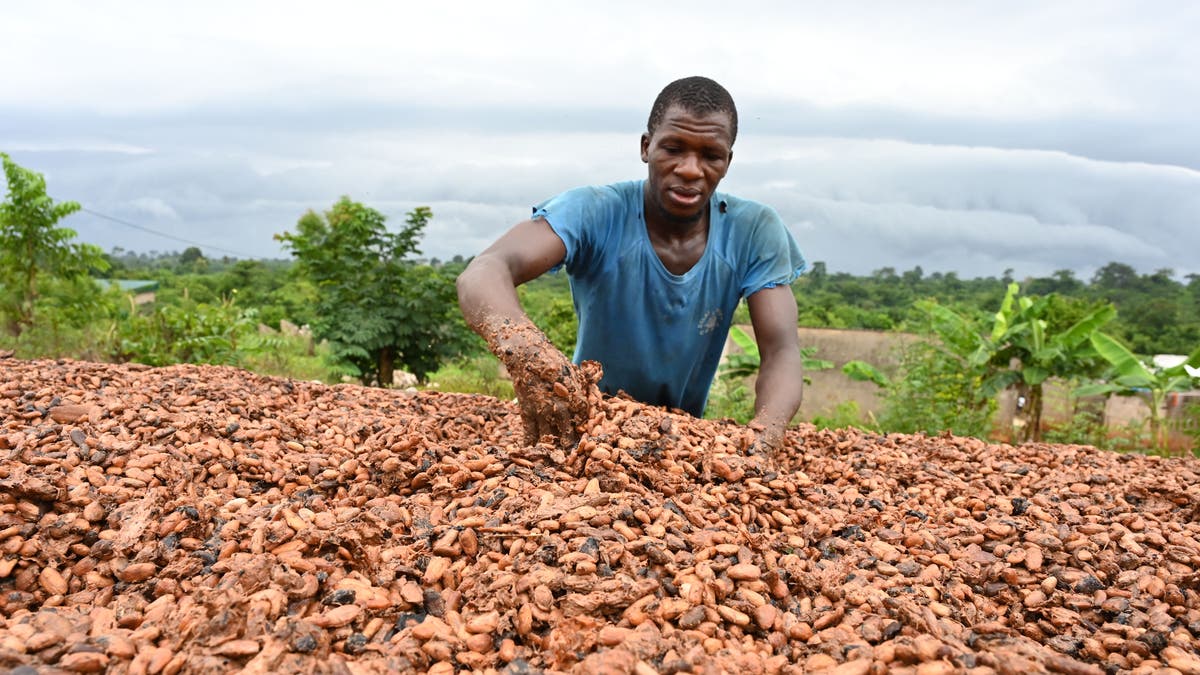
<point>597,199</point>
<point>622,190</point>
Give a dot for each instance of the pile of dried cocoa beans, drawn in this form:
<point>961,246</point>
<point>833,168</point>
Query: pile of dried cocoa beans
<point>205,519</point>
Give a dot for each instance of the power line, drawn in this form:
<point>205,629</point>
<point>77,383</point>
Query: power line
<point>143,228</point>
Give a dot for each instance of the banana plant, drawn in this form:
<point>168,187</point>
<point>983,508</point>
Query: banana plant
<point>1027,352</point>
<point>1130,376</point>
<point>1022,349</point>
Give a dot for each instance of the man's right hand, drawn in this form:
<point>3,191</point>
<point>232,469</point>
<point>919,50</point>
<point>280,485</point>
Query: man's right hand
<point>553,392</point>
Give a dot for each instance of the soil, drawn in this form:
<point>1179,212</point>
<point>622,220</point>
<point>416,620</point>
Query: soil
<point>204,519</point>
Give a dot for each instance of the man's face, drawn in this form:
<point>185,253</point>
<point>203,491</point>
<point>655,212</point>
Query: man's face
<point>688,156</point>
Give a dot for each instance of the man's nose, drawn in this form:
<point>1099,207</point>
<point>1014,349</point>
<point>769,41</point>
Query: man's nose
<point>689,166</point>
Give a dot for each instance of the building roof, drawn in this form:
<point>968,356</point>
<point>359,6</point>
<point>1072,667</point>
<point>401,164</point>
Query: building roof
<point>131,285</point>
<point>1172,360</point>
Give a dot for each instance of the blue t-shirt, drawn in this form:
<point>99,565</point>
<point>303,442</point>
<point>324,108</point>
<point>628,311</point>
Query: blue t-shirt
<point>660,335</point>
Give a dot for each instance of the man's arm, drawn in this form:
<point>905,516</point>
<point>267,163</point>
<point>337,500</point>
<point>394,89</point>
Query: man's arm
<point>552,391</point>
<point>487,289</point>
<point>780,384</point>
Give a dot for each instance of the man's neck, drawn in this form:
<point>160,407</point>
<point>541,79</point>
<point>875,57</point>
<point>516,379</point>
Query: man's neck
<point>662,227</point>
<point>678,244</point>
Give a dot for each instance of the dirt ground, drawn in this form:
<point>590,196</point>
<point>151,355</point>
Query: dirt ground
<point>198,519</point>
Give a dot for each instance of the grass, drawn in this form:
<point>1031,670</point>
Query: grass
<point>472,375</point>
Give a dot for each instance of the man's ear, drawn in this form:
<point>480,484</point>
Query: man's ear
<point>646,147</point>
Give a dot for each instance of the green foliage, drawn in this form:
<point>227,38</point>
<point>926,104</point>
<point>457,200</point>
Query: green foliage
<point>33,247</point>
<point>740,365</point>
<point>376,308</point>
<point>1130,375</point>
<point>747,362</point>
<point>845,414</point>
<point>1157,315</point>
<point>935,390</point>
<point>547,301</point>
<point>191,256</point>
<point>861,371</point>
<point>293,356</point>
<point>1189,423</point>
<point>1086,427</point>
<point>429,328</point>
<point>194,333</point>
<point>731,399</point>
<point>71,321</point>
<point>1026,344</point>
<point>479,374</point>
<point>1029,344</point>
<point>273,287</point>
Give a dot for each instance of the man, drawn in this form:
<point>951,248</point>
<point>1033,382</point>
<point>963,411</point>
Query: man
<point>657,268</point>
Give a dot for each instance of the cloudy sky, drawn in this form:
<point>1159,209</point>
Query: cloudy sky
<point>959,136</point>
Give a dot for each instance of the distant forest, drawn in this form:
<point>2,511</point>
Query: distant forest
<point>1156,313</point>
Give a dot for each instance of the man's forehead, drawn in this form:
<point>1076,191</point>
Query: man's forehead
<point>677,117</point>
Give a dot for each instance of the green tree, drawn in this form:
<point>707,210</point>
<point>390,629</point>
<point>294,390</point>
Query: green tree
<point>1115,276</point>
<point>192,258</point>
<point>376,308</point>
<point>32,245</point>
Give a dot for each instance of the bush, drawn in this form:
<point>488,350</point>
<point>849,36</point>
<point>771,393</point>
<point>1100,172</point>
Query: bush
<point>933,392</point>
<point>730,398</point>
<point>845,414</point>
<point>193,333</point>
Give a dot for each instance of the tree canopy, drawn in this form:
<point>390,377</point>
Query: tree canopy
<point>377,308</point>
<point>32,245</point>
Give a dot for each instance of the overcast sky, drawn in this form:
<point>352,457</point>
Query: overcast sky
<point>959,136</point>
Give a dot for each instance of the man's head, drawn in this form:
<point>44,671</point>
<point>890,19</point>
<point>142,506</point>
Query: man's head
<point>688,145</point>
<point>696,95</point>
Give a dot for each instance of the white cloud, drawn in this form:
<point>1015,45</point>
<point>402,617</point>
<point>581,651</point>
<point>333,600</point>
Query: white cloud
<point>154,208</point>
<point>1019,60</point>
<point>955,136</point>
<point>858,205</point>
<point>862,203</point>
<point>69,145</point>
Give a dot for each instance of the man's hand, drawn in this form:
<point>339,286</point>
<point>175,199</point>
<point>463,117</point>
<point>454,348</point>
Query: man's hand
<point>768,436</point>
<point>552,391</point>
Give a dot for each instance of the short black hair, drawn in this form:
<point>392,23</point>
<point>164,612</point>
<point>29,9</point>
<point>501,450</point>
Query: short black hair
<point>695,94</point>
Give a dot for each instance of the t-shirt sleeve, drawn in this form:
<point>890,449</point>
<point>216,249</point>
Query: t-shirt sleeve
<point>581,218</point>
<point>774,258</point>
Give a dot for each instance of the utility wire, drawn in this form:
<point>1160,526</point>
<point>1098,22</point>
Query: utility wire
<point>143,228</point>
